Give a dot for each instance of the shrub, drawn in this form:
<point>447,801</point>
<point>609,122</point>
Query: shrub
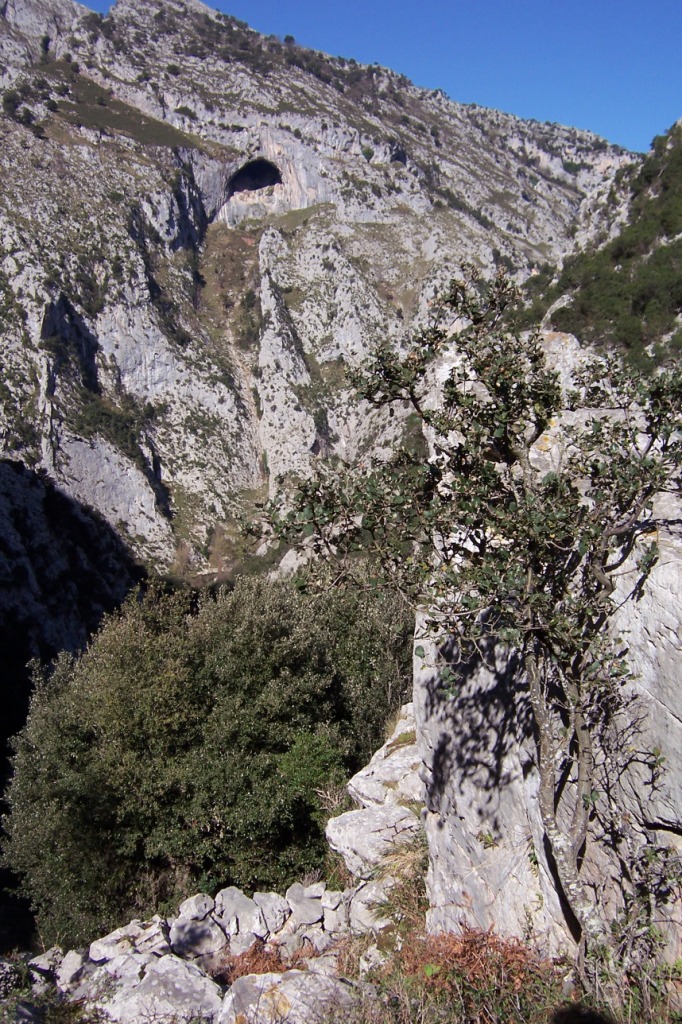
<point>10,102</point>
<point>481,977</point>
<point>184,749</point>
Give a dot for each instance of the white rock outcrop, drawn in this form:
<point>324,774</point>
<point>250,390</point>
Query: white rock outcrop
<point>391,794</point>
<point>299,997</point>
<point>172,971</point>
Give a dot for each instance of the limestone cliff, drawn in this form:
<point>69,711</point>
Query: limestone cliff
<point>202,227</point>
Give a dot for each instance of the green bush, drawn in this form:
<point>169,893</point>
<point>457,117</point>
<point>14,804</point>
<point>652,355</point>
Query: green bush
<point>184,749</point>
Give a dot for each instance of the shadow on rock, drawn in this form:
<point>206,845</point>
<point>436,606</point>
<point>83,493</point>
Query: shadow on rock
<point>62,568</point>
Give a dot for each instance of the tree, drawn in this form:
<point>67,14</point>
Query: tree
<point>512,529</point>
<point>185,749</point>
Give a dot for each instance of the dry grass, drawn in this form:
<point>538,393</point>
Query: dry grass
<point>480,962</point>
<point>404,871</point>
<point>259,959</point>
<point>350,951</point>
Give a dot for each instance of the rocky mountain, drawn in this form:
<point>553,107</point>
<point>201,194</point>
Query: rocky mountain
<point>202,227</point>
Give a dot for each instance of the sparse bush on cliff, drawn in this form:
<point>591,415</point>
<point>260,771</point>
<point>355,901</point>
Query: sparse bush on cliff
<point>184,749</point>
<point>513,535</point>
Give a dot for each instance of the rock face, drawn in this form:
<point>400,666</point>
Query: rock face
<point>191,253</point>
<point>391,794</point>
<point>489,866</point>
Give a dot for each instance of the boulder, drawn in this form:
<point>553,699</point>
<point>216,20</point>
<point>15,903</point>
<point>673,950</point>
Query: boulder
<point>72,972</point>
<point>338,919</point>
<point>136,937</point>
<point>237,913</point>
<point>165,990</point>
<point>365,837</point>
<point>274,908</point>
<point>191,938</point>
<point>45,966</point>
<point>331,898</point>
<point>304,910</point>
<point>196,908</point>
<point>297,997</point>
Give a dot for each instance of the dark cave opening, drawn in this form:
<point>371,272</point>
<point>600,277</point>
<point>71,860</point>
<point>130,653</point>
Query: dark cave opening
<point>255,175</point>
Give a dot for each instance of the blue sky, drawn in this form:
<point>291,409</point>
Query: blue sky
<point>613,66</point>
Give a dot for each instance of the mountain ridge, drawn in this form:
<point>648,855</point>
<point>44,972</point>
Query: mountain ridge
<point>155,148</point>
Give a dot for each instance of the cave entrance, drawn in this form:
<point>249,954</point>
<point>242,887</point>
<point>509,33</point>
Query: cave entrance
<point>253,176</point>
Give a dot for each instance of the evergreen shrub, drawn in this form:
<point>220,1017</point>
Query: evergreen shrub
<point>184,749</point>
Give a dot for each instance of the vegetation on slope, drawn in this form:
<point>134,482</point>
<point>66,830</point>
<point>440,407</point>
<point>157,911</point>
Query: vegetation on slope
<point>186,748</point>
<point>628,294</point>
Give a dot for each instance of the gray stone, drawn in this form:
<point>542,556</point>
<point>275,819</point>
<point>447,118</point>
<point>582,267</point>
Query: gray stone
<point>46,965</point>
<point>297,997</point>
<point>192,938</point>
<point>153,937</point>
<point>136,937</point>
<point>72,971</point>
<point>242,942</point>
<point>288,939</point>
<point>315,891</point>
<point>337,920</point>
<point>237,913</point>
<point>165,990</point>
<point>487,866</point>
<point>327,964</point>
<point>275,909</point>
<point>331,898</point>
<point>316,151</point>
<point>364,913</point>
<point>319,939</point>
<point>304,911</point>
<point>365,837</point>
<point>487,861</point>
<point>296,891</point>
<point>129,967</point>
<point>196,908</point>
<point>392,775</point>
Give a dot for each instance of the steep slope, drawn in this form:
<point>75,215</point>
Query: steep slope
<point>201,227</point>
<point>627,292</point>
